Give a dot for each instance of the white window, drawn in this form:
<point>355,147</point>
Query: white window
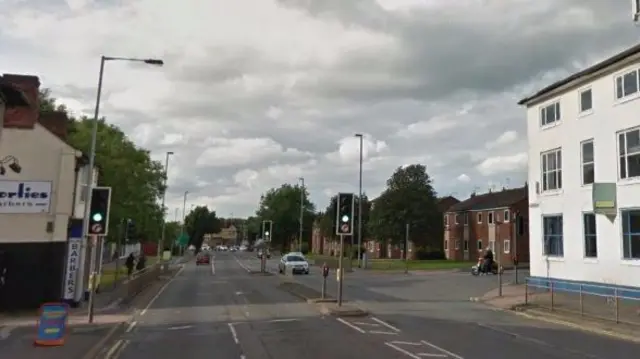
<point>480,217</point>
<point>446,245</point>
<point>629,146</point>
<point>506,215</point>
<point>480,246</point>
<point>457,218</point>
<point>552,236</point>
<point>457,248</point>
<point>466,219</point>
<point>550,114</point>
<point>466,245</point>
<point>551,170</point>
<point>586,101</point>
<point>588,164</point>
<point>506,246</point>
<point>490,217</point>
<point>590,235</point>
<point>627,84</point>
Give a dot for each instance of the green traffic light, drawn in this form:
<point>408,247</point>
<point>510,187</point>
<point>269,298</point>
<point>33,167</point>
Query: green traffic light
<point>97,217</point>
<point>345,218</point>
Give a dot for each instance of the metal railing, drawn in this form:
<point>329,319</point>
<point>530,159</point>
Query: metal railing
<point>599,301</point>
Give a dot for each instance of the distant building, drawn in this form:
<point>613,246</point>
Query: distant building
<point>495,220</point>
<point>227,236</point>
<point>584,167</point>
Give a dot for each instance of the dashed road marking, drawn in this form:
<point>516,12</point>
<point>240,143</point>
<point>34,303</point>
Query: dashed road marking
<point>182,327</point>
<point>234,334</point>
<point>379,321</point>
<point>421,349</point>
<point>131,326</point>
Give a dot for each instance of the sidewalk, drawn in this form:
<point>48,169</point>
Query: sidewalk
<point>514,298</point>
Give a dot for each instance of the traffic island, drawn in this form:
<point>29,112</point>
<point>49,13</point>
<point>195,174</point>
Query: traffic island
<point>344,310</point>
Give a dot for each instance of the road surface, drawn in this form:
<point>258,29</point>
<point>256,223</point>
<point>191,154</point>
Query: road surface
<point>223,311</point>
<point>431,314</point>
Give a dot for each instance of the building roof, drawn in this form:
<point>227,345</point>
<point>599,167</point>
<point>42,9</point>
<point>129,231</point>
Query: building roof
<point>489,200</point>
<point>444,203</point>
<point>582,75</point>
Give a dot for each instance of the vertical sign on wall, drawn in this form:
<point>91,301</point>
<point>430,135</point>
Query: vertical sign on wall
<point>73,263</point>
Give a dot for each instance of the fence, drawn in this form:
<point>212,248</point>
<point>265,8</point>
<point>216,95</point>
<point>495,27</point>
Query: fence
<point>600,301</point>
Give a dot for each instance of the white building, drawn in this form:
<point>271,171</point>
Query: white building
<point>39,180</point>
<point>584,132</point>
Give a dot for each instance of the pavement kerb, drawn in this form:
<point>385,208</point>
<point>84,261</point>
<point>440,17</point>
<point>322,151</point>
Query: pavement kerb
<point>553,319</point>
<point>96,349</point>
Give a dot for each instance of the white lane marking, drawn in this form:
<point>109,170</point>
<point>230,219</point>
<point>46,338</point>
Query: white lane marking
<point>351,325</point>
<point>431,355</point>
<point>232,328</point>
<point>385,324</point>
<point>406,343</point>
<point>5,332</point>
<point>382,332</point>
<point>405,352</point>
<point>367,324</point>
<point>456,356</point>
<point>242,264</point>
<point>164,287</point>
<point>131,326</point>
<point>113,349</point>
<point>180,327</point>
<point>213,265</point>
<point>283,320</point>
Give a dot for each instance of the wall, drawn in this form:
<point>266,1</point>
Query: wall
<point>79,206</point>
<point>602,124</point>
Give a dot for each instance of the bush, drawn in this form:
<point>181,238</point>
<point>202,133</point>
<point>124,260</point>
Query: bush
<point>429,254</point>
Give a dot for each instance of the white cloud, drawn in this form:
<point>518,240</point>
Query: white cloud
<point>502,164</point>
<point>464,178</point>
<point>505,138</point>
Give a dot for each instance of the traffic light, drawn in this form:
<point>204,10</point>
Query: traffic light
<point>99,211</point>
<point>267,230</point>
<point>344,214</point>
<point>130,229</point>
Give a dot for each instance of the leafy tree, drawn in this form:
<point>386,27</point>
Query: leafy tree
<point>136,180</point>
<point>253,225</point>
<point>201,221</point>
<point>408,198</point>
<point>172,231</point>
<point>282,206</point>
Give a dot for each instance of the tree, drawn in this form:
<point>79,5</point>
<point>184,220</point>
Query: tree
<point>253,225</point>
<point>201,221</point>
<point>282,206</point>
<point>137,182</point>
<point>171,233</point>
<point>408,198</point>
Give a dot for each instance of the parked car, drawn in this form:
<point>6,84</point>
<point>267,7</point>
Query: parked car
<point>294,263</point>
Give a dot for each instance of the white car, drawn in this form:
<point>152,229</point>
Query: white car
<point>294,263</point>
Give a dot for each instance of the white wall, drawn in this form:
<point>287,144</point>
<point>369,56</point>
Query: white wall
<point>43,157</point>
<point>79,206</point>
<point>607,118</point>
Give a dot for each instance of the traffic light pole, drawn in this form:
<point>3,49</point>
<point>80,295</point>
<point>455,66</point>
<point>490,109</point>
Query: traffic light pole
<point>340,270</point>
<point>93,277</point>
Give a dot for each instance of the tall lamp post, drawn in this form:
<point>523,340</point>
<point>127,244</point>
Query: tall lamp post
<point>360,136</point>
<point>184,210</point>
<point>301,213</point>
<point>92,156</point>
<point>164,211</point>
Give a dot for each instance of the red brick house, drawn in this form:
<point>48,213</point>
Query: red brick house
<point>497,220</point>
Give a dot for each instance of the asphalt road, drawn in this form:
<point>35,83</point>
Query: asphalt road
<point>225,311</point>
<point>432,314</point>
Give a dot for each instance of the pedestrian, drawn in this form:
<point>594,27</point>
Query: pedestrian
<point>142,261</point>
<point>130,262</point>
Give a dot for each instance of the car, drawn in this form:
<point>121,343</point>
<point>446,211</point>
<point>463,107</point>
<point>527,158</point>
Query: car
<point>202,259</point>
<point>294,263</point>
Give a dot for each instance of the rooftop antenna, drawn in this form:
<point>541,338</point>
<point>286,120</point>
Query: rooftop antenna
<point>635,11</point>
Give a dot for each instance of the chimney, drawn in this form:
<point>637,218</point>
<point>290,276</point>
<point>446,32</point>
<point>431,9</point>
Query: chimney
<point>56,123</point>
<point>23,117</point>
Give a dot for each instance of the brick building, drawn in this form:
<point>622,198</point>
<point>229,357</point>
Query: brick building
<point>496,220</point>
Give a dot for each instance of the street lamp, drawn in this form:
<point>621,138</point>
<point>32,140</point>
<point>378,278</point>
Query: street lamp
<point>164,211</point>
<point>301,213</point>
<point>92,155</point>
<point>360,136</point>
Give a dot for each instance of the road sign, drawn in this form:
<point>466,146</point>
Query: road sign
<point>96,228</point>
<point>344,228</point>
<point>183,239</point>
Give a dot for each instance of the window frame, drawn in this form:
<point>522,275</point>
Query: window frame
<point>479,217</point>
<point>456,219</point>
<point>583,163</point>
<point>625,213</point>
<point>466,219</point>
<point>456,245</point>
<point>586,236</point>
<point>490,218</point>
<point>506,216</point>
<point>446,245</point>
<point>446,220</point>
<point>465,245</point>
<point>480,245</point>
<point>544,173</point>
<point>506,246</point>
<point>543,114</point>
<point>626,155</point>
<point>620,76</point>
<point>546,247</point>
<point>581,110</point>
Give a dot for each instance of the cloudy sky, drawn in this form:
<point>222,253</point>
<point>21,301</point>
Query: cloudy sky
<point>256,93</point>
